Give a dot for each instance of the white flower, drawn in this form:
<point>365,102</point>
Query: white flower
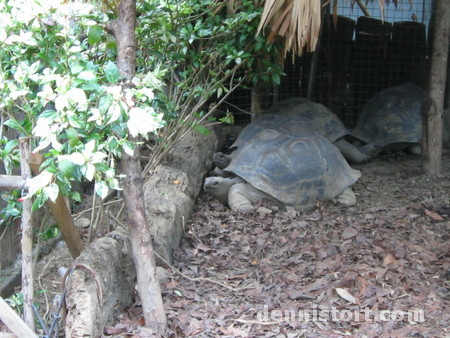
<point>46,94</point>
<point>115,91</point>
<point>46,129</point>
<point>143,121</point>
<point>61,102</point>
<point>78,97</point>
<point>38,182</point>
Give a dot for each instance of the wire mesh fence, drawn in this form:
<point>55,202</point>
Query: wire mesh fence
<point>357,57</point>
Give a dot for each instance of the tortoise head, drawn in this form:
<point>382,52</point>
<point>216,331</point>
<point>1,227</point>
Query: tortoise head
<point>218,187</point>
<point>221,160</point>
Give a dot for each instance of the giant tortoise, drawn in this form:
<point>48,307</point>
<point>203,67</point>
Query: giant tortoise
<point>300,117</point>
<point>325,122</point>
<point>298,128</point>
<point>392,119</point>
<point>286,169</point>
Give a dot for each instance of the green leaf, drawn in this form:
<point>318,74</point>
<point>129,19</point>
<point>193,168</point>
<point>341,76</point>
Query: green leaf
<point>72,136</point>
<point>104,103</point>
<point>201,129</point>
<point>102,189</point>
<point>13,124</point>
<point>112,143</point>
<point>75,195</point>
<point>114,184</point>
<point>66,168</point>
<point>50,233</point>
<point>11,145</point>
<point>75,66</point>
<point>128,148</point>
<point>90,86</point>
<point>276,79</point>
<point>112,72</point>
<point>94,34</point>
<point>48,114</point>
<point>39,201</point>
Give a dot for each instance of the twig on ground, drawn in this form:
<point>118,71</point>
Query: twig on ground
<point>195,279</point>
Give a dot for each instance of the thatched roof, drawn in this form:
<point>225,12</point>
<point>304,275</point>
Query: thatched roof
<point>298,21</point>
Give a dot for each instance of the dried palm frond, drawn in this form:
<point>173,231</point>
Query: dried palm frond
<point>298,21</point>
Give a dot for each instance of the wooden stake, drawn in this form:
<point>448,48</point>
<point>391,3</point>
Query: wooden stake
<point>62,216</point>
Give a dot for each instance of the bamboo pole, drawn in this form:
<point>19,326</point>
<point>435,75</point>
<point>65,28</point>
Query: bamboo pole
<point>13,322</point>
<point>12,182</point>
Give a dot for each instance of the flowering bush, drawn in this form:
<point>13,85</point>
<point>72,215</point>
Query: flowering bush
<point>59,85</point>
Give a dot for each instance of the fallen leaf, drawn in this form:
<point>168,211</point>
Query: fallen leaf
<point>388,259</point>
<point>234,332</point>
<point>362,286</point>
<point>297,294</point>
<point>172,284</point>
<point>400,252</point>
<point>433,215</point>
<point>203,247</point>
<point>346,295</point>
<point>349,232</point>
<point>317,285</point>
<point>116,329</point>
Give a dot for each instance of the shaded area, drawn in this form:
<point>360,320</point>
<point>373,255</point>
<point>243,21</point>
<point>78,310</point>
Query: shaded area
<point>390,252</point>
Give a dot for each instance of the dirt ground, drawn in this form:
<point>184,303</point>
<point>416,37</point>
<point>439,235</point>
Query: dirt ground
<point>379,269</point>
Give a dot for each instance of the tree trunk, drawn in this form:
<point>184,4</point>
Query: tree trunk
<point>140,237</point>
<point>27,238</point>
<point>141,244</point>
<point>433,107</point>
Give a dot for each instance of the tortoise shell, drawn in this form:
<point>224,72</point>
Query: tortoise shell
<point>295,170</point>
<point>392,116</point>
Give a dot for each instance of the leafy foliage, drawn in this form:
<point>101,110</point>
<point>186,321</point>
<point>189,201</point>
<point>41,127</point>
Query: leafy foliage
<point>206,52</point>
<point>60,86</point>
<point>13,208</point>
<point>184,34</point>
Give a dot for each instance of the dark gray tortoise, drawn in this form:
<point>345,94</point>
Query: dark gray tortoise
<point>298,127</point>
<point>392,119</point>
<point>286,169</point>
<point>301,117</point>
<point>324,121</point>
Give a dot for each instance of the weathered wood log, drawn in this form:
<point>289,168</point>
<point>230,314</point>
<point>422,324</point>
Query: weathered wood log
<point>170,195</point>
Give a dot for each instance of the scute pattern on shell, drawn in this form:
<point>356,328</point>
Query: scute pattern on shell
<point>323,119</point>
<point>392,116</point>
<point>294,170</point>
<point>280,122</point>
<point>298,116</point>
